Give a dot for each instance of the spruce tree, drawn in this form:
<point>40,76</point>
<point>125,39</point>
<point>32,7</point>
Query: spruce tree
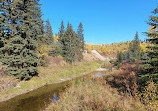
<point>69,46</point>
<point>61,37</point>
<point>80,42</point>
<point>136,39</point>
<point>4,25</point>
<point>48,33</point>
<point>151,63</point>
<point>134,50</point>
<point>19,49</point>
<point>61,32</point>
<point>81,35</point>
<point>135,44</point>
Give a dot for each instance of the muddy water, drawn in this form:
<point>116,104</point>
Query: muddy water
<point>38,100</point>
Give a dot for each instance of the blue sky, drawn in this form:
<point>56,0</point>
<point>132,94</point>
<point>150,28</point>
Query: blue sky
<point>104,21</point>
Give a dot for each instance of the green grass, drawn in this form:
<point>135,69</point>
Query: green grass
<point>48,76</point>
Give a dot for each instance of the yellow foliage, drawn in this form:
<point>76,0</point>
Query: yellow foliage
<point>143,46</point>
<point>56,37</point>
<point>112,49</point>
<point>43,49</point>
<point>59,56</point>
<point>89,47</point>
<point>109,49</point>
<point>152,29</point>
<point>150,97</point>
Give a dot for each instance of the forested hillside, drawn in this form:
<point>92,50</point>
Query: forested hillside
<point>110,50</point>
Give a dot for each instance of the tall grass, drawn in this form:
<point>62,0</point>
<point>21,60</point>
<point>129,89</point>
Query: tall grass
<point>95,95</point>
<point>118,91</point>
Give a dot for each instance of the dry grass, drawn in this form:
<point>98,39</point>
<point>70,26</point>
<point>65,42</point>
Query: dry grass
<point>54,62</point>
<point>6,82</point>
<point>106,65</point>
<point>49,75</point>
<point>95,95</point>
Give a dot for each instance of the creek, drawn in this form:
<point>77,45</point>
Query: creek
<point>39,99</point>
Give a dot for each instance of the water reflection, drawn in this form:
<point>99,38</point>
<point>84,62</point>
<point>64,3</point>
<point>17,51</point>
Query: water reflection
<point>98,75</point>
<point>55,99</point>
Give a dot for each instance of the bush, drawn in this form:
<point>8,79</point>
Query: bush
<point>150,96</point>
<point>124,79</point>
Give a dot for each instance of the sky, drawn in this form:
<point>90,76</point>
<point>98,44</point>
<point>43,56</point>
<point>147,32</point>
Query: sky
<point>104,21</point>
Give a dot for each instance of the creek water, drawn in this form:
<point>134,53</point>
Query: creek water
<point>39,99</point>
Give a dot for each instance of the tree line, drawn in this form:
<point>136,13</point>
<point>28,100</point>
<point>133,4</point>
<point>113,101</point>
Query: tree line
<point>23,38</point>
<point>147,59</point>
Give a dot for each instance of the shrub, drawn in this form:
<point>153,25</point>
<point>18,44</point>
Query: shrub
<point>124,79</point>
<point>150,96</point>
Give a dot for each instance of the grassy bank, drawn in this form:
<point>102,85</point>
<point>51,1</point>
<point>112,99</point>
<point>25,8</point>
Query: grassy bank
<point>117,91</point>
<point>50,75</point>
<point>95,95</point>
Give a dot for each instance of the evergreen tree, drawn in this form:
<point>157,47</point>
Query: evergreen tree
<point>136,39</point>
<point>119,60</point>
<point>134,50</point>
<point>151,63</point>
<point>21,37</point>
<point>40,32</point>
<point>119,57</point>
<point>61,32</point>
<point>56,47</point>
<point>61,36</point>
<point>48,33</point>
<point>4,25</point>
<point>80,42</point>
<point>69,46</point>
<point>135,44</point>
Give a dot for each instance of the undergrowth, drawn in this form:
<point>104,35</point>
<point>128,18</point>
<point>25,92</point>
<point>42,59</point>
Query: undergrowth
<point>95,95</point>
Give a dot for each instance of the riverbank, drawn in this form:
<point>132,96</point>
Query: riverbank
<point>115,91</point>
<point>48,76</point>
<point>94,95</point>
